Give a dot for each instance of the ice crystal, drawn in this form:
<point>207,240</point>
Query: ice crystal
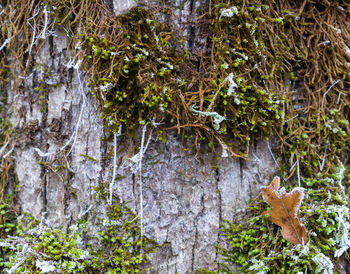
<point>232,84</point>
<point>224,66</point>
<point>258,266</point>
<point>342,233</point>
<point>106,87</point>
<point>217,117</point>
<point>229,12</point>
<point>324,264</point>
<point>45,266</point>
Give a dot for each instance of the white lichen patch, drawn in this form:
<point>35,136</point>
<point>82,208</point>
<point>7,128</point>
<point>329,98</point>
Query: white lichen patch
<point>232,84</point>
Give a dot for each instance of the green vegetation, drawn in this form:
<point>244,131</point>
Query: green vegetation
<point>257,245</point>
<point>313,134</point>
<point>36,248</point>
<point>276,68</point>
<point>133,75</point>
<point>140,74</point>
<point>137,78</point>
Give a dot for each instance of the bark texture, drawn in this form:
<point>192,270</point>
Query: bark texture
<point>184,196</point>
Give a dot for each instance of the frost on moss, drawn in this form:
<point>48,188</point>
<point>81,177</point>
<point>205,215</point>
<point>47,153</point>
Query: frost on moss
<point>258,266</point>
<point>271,69</point>
<point>313,130</point>
<point>138,76</point>
<point>325,213</point>
<point>115,246</point>
<point>324,264</point>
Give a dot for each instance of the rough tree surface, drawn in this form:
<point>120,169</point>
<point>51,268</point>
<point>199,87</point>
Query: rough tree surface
<point>184,197</point>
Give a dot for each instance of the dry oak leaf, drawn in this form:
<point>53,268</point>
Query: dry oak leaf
<point>284,211</point>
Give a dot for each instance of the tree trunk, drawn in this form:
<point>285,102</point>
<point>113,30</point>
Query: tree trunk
<point>185,197</point>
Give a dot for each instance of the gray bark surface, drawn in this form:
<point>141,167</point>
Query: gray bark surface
<point>184,197</point>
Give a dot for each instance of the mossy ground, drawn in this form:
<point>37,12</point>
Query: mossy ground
<point>274,68</point>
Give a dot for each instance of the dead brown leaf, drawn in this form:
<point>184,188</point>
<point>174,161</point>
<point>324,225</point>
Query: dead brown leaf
<point>284,211</point>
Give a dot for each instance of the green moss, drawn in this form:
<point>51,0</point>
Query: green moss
<point>136,78</point>
<point>133,73</point>
<point>118,248</point>
<point>256,242</point>
<point>313,134</point>
<point>270,71</point>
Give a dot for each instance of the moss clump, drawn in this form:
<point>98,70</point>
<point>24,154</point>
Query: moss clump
<point>35,247</point>
<point>134,73</point>
<point>249,99</point>
<point>140,74</point>
<point>257,245</point>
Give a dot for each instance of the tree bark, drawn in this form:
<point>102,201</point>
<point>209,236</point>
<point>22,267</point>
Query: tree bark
<point>185,197</point>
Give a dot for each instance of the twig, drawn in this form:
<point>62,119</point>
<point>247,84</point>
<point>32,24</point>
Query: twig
<point>273,156</point>
<point>292,118</point>
<point>298,170</point>
<point>83,213</point>
<point>283,115</point>
<point>5,43</point>
<point>111,185</point>
<point>324,157</point>
<point>4,147</point>
<point>36,12</point>
<point>143,149</point>
<point>9,152</point>
<point>324,95</point>
<point>140,181</point>
<point>338,100</point>
<point>46,22</point>
<point>291,168</point>
<point>80,115</point>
